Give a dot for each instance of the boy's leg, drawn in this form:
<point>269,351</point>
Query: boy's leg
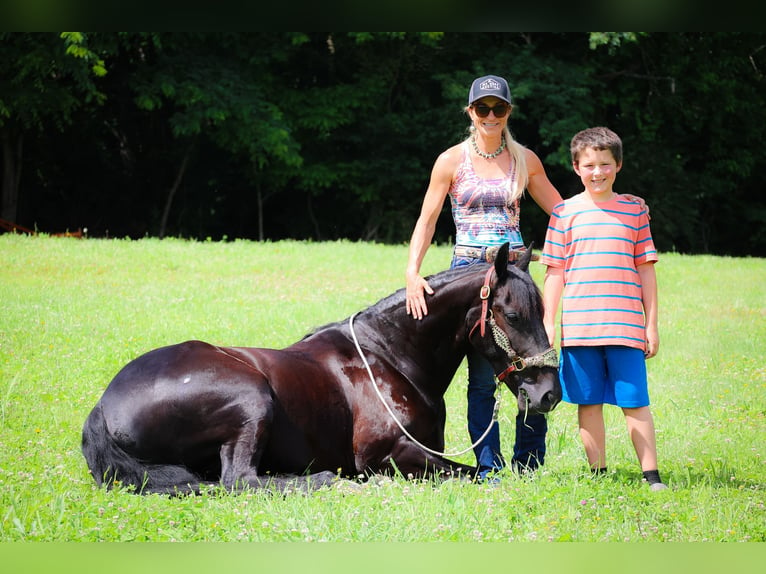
<point>627,368</point>
<point>584,383</point>
<point>642,435</point>
<point>593,434</point>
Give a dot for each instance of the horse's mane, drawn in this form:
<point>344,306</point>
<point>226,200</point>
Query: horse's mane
<point>437,281</point>
<point>528,301</point>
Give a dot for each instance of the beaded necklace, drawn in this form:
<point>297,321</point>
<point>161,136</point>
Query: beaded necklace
<point>496,153</point>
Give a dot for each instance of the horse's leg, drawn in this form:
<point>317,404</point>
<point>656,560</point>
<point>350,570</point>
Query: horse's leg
<point>242,452</point>
<point>236,477</point>
<point>241,455</point>
<point>286,484</point>
<point>411,460</point>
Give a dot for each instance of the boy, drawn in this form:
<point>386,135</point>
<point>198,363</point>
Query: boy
<point>599,252</point>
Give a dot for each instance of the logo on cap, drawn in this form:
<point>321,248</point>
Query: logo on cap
<point>489,84</point>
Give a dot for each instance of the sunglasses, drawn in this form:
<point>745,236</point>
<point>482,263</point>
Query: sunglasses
<point>482,110</point>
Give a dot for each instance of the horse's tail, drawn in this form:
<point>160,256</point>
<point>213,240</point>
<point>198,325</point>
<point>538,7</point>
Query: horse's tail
<point>111,466</point>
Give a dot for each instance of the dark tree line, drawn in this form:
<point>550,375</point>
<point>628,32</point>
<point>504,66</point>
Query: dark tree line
<point>333,135</point>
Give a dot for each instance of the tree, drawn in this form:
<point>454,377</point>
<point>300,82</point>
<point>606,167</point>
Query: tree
<point>690,107</point>
<point>44,78</point>
<point>221,86</point>
<point>329,135</point>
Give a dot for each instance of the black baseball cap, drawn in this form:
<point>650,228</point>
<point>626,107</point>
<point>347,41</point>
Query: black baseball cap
<point>489,86</point>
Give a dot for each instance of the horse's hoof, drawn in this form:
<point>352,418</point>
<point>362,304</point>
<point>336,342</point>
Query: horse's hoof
<point>320,479</point>
<point>347,486</point>
<point>379,480</point>
<point>457,479</point>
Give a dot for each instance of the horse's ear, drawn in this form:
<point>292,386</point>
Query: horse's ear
<point>501,262</point>
<point>523,262</point>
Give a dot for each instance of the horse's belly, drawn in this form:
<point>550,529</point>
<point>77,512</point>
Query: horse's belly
<point>299,449</point>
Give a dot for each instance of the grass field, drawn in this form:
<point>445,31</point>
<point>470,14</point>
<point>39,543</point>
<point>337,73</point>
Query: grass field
<point>75,311</point>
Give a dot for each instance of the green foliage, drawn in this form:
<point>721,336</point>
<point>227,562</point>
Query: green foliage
<point>329,135</point>
<point>612,40</point>
<point>77,47</point>
<point>75,312</point>
<point>45,78</point>
<point>221,93</point>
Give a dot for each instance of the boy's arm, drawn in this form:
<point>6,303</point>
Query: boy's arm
<point>649,297</point>
<point>552,288</point>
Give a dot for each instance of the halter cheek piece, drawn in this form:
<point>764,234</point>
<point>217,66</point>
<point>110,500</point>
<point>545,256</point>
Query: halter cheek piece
<point>547,359</point>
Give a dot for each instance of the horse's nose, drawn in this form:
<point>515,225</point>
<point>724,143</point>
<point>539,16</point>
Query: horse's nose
<point>549,401</point>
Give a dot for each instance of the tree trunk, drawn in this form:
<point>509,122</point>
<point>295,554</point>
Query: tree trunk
<point>312,218</point>
<point>174,188</point>
<point>259,199</point>
<point>11,174</point>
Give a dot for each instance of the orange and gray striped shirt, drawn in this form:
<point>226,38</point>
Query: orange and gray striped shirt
<point>600,246</point>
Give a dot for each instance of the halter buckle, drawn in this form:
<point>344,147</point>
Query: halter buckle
<point>518,364</point>
<point>484,292</point>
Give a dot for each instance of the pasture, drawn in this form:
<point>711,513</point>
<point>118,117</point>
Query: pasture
<point>75,311</point>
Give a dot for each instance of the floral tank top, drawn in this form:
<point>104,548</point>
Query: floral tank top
<point>480,209</point>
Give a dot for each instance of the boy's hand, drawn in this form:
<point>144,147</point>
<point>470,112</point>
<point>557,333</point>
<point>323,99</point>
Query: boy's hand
<point>652,343</point>
<point>551,331</point>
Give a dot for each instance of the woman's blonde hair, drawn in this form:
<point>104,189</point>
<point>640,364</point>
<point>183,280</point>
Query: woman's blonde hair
<point>520,161</point>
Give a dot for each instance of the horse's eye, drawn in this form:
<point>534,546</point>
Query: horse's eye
<point>512,317</point>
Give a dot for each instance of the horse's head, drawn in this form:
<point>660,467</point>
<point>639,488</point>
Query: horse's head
<point>509,331</point>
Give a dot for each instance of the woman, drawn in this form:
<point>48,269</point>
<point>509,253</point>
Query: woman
<point>484,177</point>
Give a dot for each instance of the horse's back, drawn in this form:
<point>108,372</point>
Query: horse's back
<point>172,378</point>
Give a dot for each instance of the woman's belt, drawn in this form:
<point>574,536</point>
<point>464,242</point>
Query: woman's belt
<point>488,254</point>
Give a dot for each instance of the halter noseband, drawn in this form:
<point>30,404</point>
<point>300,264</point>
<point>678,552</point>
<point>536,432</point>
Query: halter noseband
<point>549,358</point>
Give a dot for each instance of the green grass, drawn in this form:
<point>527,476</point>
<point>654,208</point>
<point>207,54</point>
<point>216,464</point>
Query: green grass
<point>75,311</point>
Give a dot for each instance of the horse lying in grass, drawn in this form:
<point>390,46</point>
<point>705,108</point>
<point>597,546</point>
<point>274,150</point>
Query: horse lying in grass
<point>358,397</point>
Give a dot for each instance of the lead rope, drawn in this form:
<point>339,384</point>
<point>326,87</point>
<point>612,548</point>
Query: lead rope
<point>495,410</point>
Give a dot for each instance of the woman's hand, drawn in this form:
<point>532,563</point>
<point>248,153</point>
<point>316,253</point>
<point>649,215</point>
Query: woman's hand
<point>416,300</point>
<point>638,200</point>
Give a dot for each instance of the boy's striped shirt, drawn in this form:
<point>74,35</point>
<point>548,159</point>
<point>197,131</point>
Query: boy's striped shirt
<point>599,246</point>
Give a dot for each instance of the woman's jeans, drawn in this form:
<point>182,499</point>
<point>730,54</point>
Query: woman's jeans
<point>529,448</point>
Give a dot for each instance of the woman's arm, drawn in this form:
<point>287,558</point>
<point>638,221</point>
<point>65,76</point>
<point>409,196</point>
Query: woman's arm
<point>438,187</point>
<point>539,186</point>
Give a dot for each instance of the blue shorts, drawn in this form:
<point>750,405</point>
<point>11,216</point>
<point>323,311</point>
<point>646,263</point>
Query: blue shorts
<point>611,374</point>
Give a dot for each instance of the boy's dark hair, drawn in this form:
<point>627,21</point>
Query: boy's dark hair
<point>599,138</point>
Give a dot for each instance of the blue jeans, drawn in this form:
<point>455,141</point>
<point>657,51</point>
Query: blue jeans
<point>529,447</point>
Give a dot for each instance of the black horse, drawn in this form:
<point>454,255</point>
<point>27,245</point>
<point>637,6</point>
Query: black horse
<point>193,413</point>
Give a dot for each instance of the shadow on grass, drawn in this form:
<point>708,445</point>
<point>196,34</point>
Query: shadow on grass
<point>713,475</point>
